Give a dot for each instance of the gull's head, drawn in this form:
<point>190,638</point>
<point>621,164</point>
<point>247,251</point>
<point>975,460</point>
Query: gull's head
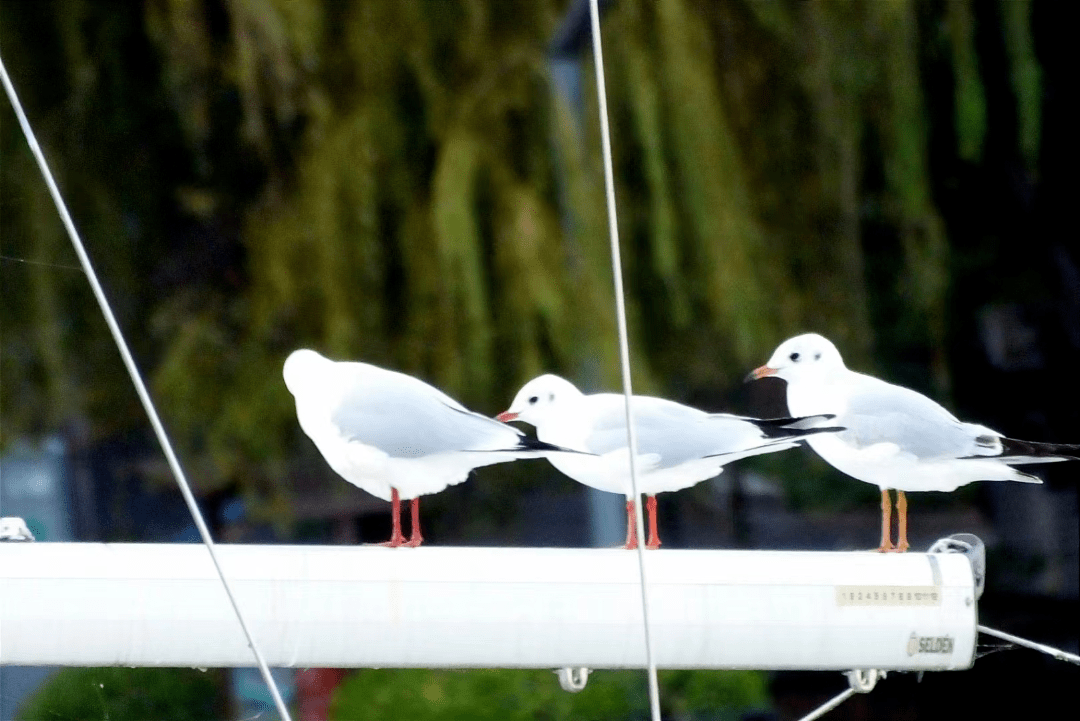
<point>804,356</point>
<point>303,368</point>
<point>541,400</point>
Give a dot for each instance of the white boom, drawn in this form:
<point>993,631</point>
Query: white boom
<point>84,604</point>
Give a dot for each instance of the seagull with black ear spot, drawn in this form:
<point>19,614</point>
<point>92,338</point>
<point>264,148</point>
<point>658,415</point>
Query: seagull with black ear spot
<point>895,438</point>
<point>677,445</point>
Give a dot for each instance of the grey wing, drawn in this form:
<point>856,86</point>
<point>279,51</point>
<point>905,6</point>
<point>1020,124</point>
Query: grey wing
<point>673,432</point>
<point>879,412</point>
<point>406,418</point>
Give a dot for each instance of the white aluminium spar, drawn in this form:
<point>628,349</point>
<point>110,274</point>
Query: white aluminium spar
<point>84,604</point>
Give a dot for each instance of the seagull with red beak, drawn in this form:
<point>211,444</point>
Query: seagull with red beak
<point>895,438</point>
<point>677,445</point>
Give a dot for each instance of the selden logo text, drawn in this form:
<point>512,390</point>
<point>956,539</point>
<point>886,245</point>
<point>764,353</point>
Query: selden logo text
<point>929,644</point>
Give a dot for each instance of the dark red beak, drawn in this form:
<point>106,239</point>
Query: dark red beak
<point>759,373</point>
<point>506,417</point>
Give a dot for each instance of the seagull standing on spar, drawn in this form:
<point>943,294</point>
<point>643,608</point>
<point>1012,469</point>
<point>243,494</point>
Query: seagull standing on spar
<point>895,438</point>
<point>393,435</point>
<point>677,445</point>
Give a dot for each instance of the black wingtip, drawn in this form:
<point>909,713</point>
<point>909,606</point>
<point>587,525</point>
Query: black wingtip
<point>1036,449</point>
<point>795,427</point>
<point>527,443</point>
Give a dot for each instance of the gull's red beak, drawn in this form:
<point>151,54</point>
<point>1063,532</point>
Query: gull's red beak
<point>506,417</point>
<point>759,373</point>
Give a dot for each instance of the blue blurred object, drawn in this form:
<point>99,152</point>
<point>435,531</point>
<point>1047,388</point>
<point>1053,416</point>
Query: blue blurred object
<point>33,486</point>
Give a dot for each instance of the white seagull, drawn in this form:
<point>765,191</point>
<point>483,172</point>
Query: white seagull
<point>895,438</point>
<point>677,445</point>
<point>393,435</point>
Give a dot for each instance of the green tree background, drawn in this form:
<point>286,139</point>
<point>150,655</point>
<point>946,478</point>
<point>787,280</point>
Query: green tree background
<point>399,183</point>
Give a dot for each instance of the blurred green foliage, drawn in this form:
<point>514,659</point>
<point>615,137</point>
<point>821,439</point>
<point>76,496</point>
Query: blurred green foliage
<point>167,694</point>
<point>508,695</point>
<point>399,183</point>
<point>127,694</point>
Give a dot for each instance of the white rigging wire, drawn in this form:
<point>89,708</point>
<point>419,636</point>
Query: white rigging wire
<point>136,379</point>
<point>829,705</point>
<point>1043,648</point>
<point>624,350</point>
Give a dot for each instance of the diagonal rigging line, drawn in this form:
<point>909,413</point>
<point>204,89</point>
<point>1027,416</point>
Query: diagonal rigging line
<point>624,350</point>
<point>1041,647</point>
<point>136,379</point>
<point>829,705</point>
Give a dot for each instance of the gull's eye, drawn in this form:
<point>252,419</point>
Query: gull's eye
<point>533,400</point>
<point>794,357</point>
<point>817,356</point>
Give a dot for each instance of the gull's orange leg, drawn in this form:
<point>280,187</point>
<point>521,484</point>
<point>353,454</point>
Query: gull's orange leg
<point>901,522</point>
<point>886,522</point>
<point>631,525</point>
<point>415,539</point>
<point>396,539</point>
<point>654,537</point>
